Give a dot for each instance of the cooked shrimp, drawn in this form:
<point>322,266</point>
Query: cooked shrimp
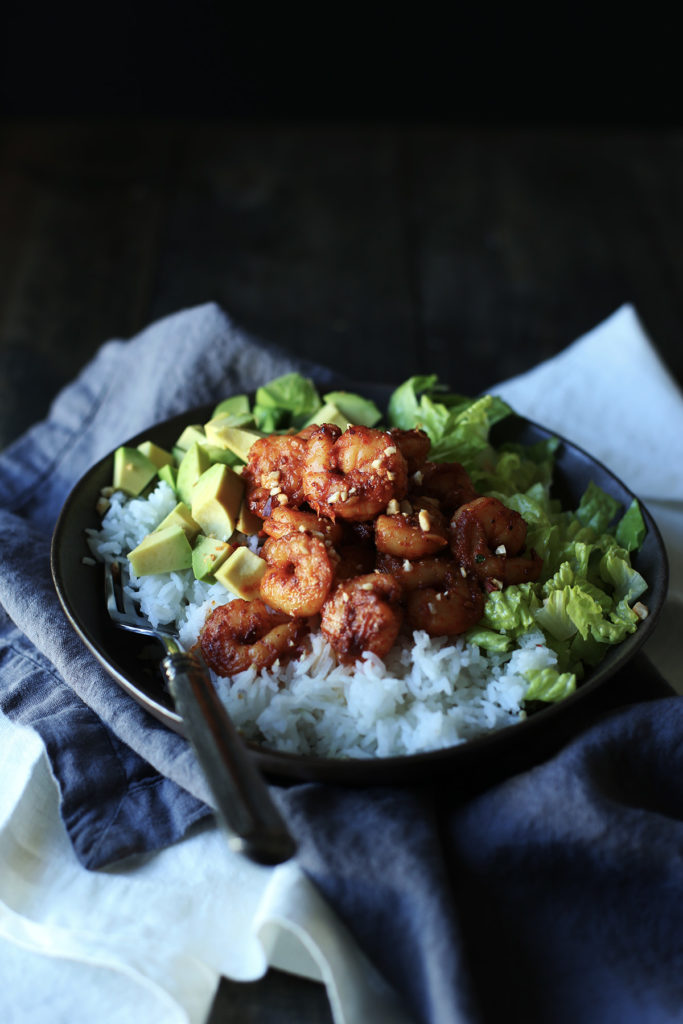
<point>363,614</point>
<point>414,445</point>
<point>246,634</point>
<point>448,482</point>
<point>284,520</point>
<point>299,574</point>
<point>417,533</point>
<point>452,608</point>
<point>415,573</point>
<point>273,473</point>
<point>353,475</point>
<point>488,539</point>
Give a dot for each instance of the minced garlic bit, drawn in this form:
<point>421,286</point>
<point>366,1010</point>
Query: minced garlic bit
<point>463,571</point>
<point>391,450</point>
<point>501,550</point>
<point>376,464</point>
<point>407,565</point>
<point>392,507</point>
<point>345,596</point>
<point>282,498</point>
<point>497,584</point>
<point>641,610</point>
<point>424,520</point>
<point>418,476</point>
<point>333,497</point>
<point>366,586</point>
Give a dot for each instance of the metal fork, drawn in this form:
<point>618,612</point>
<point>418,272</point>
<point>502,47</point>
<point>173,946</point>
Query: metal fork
<point>244,804</point>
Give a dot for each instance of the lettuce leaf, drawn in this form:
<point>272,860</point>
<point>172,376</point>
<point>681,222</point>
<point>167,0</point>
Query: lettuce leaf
<point>631,529</point>
<point>549,685</point>
<point>287,401</point>
<point>458,427</point>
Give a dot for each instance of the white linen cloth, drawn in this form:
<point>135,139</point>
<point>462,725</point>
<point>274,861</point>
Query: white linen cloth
<point>134,942</point>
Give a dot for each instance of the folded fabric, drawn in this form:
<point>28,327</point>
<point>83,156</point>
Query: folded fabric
<point>562,884</point>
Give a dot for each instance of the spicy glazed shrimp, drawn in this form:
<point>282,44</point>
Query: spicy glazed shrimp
<point>414,446</point>
<point>415,573</point>
<point>447,482</point>
<point>417,532</point>
<point>273,473</point>
<point>246,634</point>
<point>451,607</point>
<point>284,520</point>
<point>299,574</point>
<point>363,614</point>
<point>353,475</point>
<point>488,539</point>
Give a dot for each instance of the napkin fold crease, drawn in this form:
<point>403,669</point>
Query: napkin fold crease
<point>563,881</point>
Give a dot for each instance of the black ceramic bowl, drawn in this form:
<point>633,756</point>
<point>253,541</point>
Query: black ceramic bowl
<point>133,663</point>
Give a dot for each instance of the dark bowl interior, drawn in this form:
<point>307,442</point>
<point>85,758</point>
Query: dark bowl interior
<point>133,661</point>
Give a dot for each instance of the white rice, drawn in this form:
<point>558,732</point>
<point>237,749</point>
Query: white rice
<point>429,693</point>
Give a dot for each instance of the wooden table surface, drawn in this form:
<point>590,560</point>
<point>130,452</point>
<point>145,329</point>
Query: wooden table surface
<point>382,249</point>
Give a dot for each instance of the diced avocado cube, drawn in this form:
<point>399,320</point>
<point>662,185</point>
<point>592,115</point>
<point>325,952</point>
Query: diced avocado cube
<point>180,516</point>
<point>170,475</point>
<point>237,439</point>
<point>328,413</point>
<point>216,501</point>
<point>357,410</point>
<point>247,522</point>
<point>224,455</point>
<point>242,573</point>
<point>194,462</point>
<point>132,471</point>
<point>159,456</point>
<point>193,434</point>
<point>166,550</point>
<point>208,554</point>
<point>236,405</point>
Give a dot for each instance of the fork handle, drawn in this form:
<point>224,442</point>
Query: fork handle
<point>243,800</point>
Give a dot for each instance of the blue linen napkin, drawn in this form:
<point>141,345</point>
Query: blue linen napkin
<point>555,894</point>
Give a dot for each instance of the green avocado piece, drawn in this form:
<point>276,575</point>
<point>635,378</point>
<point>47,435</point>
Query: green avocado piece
<point>180,516</point>
<point>208,554</point>
<point>357,410</point>
<point>132,471</point>
<point>194,462</point>
<point>166,550</point>
<point>159,456</point>
<point>193,434</point>
<point>216,501</point>
<point>224,455</point>
<point>236,405</point>
<point>242,573</point>
<point>328,413</point>
<point>170,475</point>
<point>239,440</point>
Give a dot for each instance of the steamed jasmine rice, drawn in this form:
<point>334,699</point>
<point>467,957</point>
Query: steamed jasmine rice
<point>428,693</point>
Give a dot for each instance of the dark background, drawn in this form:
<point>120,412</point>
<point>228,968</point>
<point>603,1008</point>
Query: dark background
<point>386,192</point>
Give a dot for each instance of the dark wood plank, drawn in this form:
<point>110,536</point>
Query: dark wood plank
<point>526,240</point>
<point>79,251</point>
<point>298,233</point>
<point>273,999</point>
